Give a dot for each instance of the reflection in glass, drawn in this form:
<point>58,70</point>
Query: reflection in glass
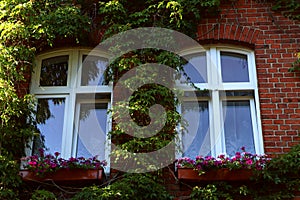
<point>234,67</point>
<point>92,130</point>
<point>196,68</point>
<point>93,68</point>
<point>196,143</point>
<point>238,126</point>
<point>54,71</point>
<point>50,119</point>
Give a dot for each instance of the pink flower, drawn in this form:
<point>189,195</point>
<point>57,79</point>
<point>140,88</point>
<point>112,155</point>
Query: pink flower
<point>32,163</point>
<point>53,165</point>
<point>56,154</point>
<point>249,162</point>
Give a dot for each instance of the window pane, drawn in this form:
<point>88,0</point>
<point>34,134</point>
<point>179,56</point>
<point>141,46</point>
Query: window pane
<point>50,121</point>
<point>196,138</point>
<point>92,130</point>
<point>93,68</point>
<point>196,69</point>
<point>54,71</point>
<point>238,126</point>
<point>234,67</point>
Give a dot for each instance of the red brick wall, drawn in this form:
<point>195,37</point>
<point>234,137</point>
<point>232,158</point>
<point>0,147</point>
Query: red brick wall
<point>275,40</point>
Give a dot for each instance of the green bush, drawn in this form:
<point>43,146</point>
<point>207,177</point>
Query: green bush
<point>9,178</point>
<point>42,195</point>
<point>132,186</point>
<point>279,179</point>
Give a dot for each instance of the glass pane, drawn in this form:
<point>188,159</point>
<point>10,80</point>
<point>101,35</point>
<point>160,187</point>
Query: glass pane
<point>234,67</point>
<point>196,69</point>
<point>54,71</point>
<point>238,126</point>
<point>92,130</point>
<point>93,68</point>
<point>196,138</point>
<point>50,121</point>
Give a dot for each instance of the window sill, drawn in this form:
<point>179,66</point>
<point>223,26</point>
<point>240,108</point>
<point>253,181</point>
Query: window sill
<point>189,174</point>
<point>62,175</point>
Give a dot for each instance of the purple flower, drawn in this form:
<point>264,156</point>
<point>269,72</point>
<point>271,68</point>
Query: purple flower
<point>48,163</point>
<point>249,162</point>
<point>32,163</point>
<point>240,160</point>
<point>41,151</point>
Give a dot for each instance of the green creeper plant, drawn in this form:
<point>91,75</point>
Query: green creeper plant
<point>290,8</point>
<point>26,27</point>
<point>278,180</point>
<point>9,182</point>
<point>131,186</point>
<point>43,195</point>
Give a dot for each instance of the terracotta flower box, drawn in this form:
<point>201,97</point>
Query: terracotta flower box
<point>64,175</point>
<point>190,174</point>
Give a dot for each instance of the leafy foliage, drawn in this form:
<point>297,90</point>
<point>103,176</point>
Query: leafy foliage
<point>220,190</point>
<point>43,195</point>
<point>179,15</point>
<point>290,8</point>
<point>281,176</point>
<point>278,180</point>
<point>25,28</point>
<point>132,186</point>
<point>9,179</point>
<point>296,64</point>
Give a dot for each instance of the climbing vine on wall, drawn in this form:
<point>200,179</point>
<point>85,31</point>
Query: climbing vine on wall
<point>290,8</point>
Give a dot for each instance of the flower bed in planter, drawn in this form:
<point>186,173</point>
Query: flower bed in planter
<point>45,167</point>
<point>238,167</point>
<point>63,175</point>
<point>190,174</point>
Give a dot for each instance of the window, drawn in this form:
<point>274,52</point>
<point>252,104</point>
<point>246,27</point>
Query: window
<point>72,103</point>
<point>225,117</point>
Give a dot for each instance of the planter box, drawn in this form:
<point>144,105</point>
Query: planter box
<point>64,175</point>
<point>190,174</point>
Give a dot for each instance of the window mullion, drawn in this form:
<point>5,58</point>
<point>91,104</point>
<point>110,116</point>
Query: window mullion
<point>216,121</point>
<point>107,149</point>
<point>68,133</point>
<point>257,135</point>
<point>217,138</point>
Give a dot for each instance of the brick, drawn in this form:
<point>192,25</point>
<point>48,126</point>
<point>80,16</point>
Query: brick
<point>286,138</point>
<point>281,144</point>
<point>270,127</point>
<point>278,122</point>
<point>227,31</point>
<point>291,144</point>
<point>273,150</point>
<point>284,127</point>
<point>233,32</point>
<point>280,133</point>
<point>238,33</point>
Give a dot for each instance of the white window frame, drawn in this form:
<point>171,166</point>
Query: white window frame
<point>70,92</point>
<point>216,87</point>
